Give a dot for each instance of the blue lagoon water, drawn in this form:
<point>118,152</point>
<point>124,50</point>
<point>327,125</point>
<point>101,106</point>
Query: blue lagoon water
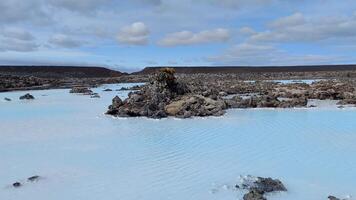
<point>84,155</point>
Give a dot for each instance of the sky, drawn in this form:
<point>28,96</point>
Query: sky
<point>130,35</point>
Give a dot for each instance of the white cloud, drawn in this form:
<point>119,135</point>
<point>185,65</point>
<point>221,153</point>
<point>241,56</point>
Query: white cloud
<point>296,28</point>
<point>247,31</point>
<point>188,37</point>
<point>292,20</point>
<point>134,34</point>
<point>65,41</point>
<point>266,55</point>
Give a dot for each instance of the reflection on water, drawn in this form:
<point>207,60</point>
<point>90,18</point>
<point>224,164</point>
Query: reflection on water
<point>84,154</point>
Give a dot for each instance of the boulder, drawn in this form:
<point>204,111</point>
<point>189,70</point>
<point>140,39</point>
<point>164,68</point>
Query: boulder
<point>107,90</point>
<point>81,90</point>
<point>7,99</point>
<point>27,96</point>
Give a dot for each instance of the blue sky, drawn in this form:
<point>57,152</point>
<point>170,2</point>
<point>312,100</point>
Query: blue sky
<point>129,35</point>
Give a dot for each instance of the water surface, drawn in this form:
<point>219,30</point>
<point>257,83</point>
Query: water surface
<point>86,155</point>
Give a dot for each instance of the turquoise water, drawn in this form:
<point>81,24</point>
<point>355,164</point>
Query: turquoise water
<point>84,155</point>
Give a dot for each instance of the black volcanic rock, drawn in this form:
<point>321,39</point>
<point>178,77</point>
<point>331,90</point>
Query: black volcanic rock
<point>27,96</point>
<point>16,184</point>
<point>165,96</point>
<point>258,186</point>
<point>254,195</point>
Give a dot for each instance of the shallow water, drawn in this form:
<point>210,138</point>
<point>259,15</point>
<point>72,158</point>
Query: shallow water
<point>83,154</point>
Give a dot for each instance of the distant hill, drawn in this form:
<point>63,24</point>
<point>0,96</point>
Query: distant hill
<point>59,71</point>
<point>245,69</point>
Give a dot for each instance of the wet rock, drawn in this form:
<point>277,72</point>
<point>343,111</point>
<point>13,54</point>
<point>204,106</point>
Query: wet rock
<point>347,101</point>
<point>333,198</point>
<point>95,95</point>
<point>27,97</point>
<point>107,90</point>
<point>7,99</point>
<point>152,99</point>
<point>33,178</point>
<point>254,195</point>
<point>17,184</point>
<point>268,185</point>
<point>258,186</point>
<point>81,90</point>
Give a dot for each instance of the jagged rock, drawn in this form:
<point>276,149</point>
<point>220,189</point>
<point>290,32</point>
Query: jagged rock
<point>254,195</point>
<point>81,90</point>
<point>27,97</point>
<point>258,186</point>
<point>268,185</point>
<point>152,99</point>
<point>195,105</point>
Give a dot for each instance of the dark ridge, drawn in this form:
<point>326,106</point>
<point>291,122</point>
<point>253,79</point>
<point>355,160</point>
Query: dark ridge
<point>59,71</point>
<point>246,69</point>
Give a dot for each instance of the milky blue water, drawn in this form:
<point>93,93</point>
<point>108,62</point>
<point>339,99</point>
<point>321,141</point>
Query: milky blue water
<point>84,155</point>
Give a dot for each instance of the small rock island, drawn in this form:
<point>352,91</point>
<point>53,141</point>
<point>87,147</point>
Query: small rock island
<point>166,96</point>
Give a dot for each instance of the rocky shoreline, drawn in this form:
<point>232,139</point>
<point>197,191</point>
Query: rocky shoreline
<point>210,95</point>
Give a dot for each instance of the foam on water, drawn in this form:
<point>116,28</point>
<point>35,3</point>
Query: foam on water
<point>83,154</point>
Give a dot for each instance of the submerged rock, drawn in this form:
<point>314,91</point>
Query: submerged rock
<point>27,96</point>
<point>17,184</point>
<point>107,90</point>
<point>95,95</point>
<point>33,178</point>
<point>7,99</point>
<point>333,198</point>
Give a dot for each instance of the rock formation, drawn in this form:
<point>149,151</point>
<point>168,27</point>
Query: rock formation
<point>27,96</point>
<point>166,96</point>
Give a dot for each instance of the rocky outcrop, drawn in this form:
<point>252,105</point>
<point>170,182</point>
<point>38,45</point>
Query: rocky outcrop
<point>81,90</point>
<point>27,96</point>
<point>258,186</point>
<point>195,105</point>
<point>165,96</point>
<point>265,101</point>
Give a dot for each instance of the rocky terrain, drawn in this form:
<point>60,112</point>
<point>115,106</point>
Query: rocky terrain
<point>191,95</point>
